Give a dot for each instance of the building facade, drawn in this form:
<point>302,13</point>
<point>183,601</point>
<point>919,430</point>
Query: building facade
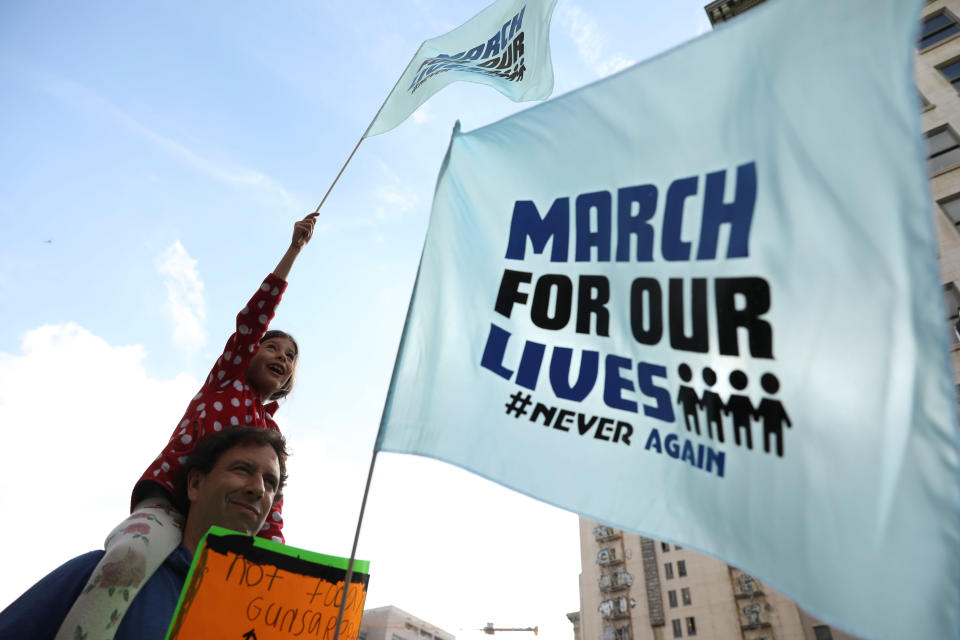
<point>636,588</point>
<point>391,623</point>
<point>723,10</point>
<point>937,73</point>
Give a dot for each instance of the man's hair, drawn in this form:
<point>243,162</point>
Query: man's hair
<point>204,457</point>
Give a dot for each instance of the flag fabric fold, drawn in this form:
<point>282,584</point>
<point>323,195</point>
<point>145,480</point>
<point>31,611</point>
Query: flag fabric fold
<point>699,300</point>
<point>505,46</point>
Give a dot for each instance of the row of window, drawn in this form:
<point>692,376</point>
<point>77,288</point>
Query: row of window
<point>937,27</point>
<point>681,569</point>
<point>620,633</point>
<point>684,595</point>
<point>822,632</point>
<point>678,627</point>
<point>607,555</point>
<point>943,148</point>
<point>425,635</point>
<point>951,299</point>
<point>664,546</point>
<point>943,151</point>
<point>602,533</point>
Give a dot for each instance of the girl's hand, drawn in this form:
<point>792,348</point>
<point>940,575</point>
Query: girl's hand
<point>303,230</point>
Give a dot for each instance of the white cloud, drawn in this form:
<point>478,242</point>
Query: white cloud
<point>590,41</point>
<point>393,198</point>
<point>386,203</point>
<point>422,115</point>
<point>393,201</point>
<point>81,420</point>
<point>185,297</point>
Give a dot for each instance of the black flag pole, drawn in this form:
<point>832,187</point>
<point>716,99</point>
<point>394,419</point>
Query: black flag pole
<point>376,446</point>
<point>356,536</point>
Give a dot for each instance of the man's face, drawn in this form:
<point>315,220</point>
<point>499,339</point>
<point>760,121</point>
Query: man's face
<point>237,493</point>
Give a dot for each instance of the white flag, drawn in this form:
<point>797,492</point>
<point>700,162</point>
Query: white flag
<point>506,46</point>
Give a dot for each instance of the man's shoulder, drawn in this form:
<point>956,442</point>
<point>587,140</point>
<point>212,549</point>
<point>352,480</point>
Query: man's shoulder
<point>84,562</point>
<point>40,610</point>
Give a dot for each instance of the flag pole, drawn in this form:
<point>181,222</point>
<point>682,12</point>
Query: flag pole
<point>317,210</point>
<point>356,536</point>
<point>376,448</point>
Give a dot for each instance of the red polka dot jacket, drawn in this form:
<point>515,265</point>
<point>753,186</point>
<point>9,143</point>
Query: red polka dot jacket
<point>226,400</point>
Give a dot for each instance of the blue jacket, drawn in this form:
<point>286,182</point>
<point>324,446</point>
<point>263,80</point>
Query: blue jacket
<point>38,613</point>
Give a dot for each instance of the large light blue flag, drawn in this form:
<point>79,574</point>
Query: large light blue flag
<point>699,300</point>
<point>506,46</point>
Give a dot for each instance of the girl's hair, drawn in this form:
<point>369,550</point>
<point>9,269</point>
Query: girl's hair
<point>288,385</point>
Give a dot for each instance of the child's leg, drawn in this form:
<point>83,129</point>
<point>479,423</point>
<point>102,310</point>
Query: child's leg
<point>134,551</point>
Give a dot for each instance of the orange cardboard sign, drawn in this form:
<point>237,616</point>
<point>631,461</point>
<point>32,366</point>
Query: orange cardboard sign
<point>246,588</point>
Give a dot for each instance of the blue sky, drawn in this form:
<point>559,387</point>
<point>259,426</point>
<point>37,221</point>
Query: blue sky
<point>154,159</point>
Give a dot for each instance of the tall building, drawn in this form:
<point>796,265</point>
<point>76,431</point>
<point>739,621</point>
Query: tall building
<point>937,73</point>
<point>391,623</point>
<point>723,10</point>
<point>636,588</point>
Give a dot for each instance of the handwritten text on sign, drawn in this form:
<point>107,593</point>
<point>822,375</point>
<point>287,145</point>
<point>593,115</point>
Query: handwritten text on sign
<point>238,584</point>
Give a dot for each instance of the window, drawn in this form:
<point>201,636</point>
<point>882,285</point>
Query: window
<point>603,533</point>
<point>943,149</point>
<point>607,556</point>
<point>691,627</point>
<point>672,596</point>
<point>951,71</point>
<point>681,568</point>
<point>677,629</point>
<point>822,632</point>
<point>664,546</point>
<point>621,633</point>
<point>951,298</point>
<point>685,594</point>
<point>362,634</point>
<point>668,570</point>
<point>951,207</point>
<point>935,28</point>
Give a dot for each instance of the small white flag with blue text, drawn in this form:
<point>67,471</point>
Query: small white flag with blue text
<point>506,46</point>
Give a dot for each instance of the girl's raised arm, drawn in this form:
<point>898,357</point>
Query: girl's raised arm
<point>255,317</point>
<point>302,232</point>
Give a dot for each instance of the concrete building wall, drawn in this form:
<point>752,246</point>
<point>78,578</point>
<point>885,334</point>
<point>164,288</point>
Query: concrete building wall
<point>574,618</point>
<point>943,109</point>
<point>391,623</point>
<point>673,590</point>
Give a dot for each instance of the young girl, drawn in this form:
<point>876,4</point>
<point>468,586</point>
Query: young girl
<point>255,370</point>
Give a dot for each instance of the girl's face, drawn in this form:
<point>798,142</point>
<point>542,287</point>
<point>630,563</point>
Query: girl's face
<point>272,366</point>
